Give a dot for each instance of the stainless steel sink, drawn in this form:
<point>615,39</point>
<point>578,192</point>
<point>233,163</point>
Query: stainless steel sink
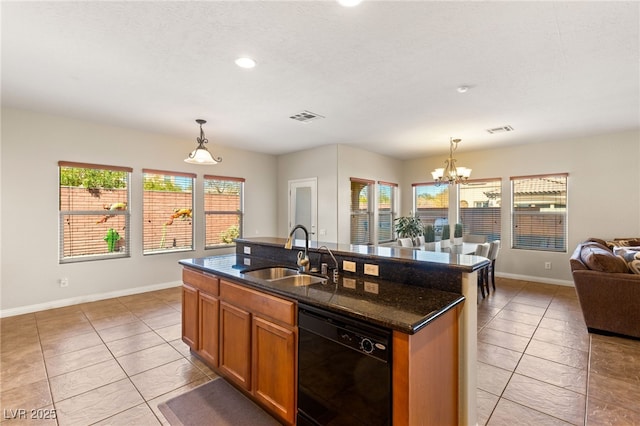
<point>300,280</point>
<point>272,273</point>
<point>283,275</point>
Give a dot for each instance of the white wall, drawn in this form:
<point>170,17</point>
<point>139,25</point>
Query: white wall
<point>604,200</point>
<point>603,194</point>
<point>320,163</point>
<point>32,145</point>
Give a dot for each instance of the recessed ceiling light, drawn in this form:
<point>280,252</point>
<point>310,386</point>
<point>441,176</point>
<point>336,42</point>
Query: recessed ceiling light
<point>245,62</point>
<point>462,89</point>
<point>349,3</point>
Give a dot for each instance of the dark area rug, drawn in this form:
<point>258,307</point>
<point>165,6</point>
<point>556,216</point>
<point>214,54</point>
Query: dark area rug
<point>214,403</point>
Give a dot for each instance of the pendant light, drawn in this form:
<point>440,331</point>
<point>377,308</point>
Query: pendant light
<point>201,154</point>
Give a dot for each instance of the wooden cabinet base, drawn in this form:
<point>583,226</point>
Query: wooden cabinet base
<point>425,374</point>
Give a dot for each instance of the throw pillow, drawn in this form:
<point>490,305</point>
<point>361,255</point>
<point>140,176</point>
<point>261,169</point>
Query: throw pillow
<point>601,259</point>
<point>627,242</point>
<point>631,257</point>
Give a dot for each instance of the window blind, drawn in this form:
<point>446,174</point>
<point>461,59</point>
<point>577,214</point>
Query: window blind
<point>361,211</point>
<point>480,203</point>
<point>223,210</point>
<point>386,211</point>
<point>93,211</point>
<point>167,211</point>
<point>432,205</point>
<point>539,212</point>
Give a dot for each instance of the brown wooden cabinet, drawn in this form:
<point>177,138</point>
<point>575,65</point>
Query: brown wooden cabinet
<point>200,314</point>
<point>245,335</point>
<point>235,344</point>
<point>263,327</point>
<point>209,308</point>
<point>273,362</point>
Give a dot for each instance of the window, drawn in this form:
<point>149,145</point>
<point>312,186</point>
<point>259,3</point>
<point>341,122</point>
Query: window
<point>539,212</point>
<point>480,202</point>
<point>94,211</point>
<point>386,211</point>
<point>223,210</point>
<point>432,205</point>
<point>361,211</point>
<point>167,211</point>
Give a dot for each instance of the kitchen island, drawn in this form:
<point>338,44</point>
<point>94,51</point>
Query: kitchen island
<point>419,296</point>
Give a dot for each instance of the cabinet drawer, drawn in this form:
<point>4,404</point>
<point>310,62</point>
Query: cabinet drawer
<point>202,281</point>
<point>259,303</point>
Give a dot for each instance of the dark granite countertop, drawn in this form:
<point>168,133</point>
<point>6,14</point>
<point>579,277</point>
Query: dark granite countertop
<point>401,307</point>
<point>451,259</point>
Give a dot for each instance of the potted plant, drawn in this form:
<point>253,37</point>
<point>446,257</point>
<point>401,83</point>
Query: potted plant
<point>429,238</point>
<point>445,242</point>
<point>457,234</point>
<point>408,227</point>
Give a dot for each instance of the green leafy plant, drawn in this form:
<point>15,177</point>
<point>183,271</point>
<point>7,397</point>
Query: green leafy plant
<point>93,180</point>
<point>408,226</point>
<point>429,234</point>
<point>229,234</point>
<point>457,231</point>
<point>446,232</point>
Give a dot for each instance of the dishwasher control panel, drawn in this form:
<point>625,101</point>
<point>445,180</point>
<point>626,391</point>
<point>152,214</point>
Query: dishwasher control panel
<point>357,335</point>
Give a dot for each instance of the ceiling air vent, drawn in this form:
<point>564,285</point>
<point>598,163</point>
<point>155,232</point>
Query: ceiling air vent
<point>500,129</point>
<point>306,116</point>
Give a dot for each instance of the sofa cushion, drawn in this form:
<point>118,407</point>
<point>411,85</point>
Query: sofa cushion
<point>418,241</point>
<point>598,258</point>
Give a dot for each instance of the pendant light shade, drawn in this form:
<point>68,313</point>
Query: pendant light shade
<point>201,154</point>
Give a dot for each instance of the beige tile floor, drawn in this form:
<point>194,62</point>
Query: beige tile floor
<point>538,365</point>
<point>112,362</point>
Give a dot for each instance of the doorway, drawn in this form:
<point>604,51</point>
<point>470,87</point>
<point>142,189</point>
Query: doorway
<point>303,206</point>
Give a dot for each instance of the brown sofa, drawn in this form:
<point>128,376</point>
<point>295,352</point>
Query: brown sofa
<point>609,293</point>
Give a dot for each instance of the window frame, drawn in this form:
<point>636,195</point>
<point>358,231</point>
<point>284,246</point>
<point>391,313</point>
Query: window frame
<point>368,213</point>
<point>562,228</point>
<point>171,218</point>
<point>426,219</point>
<point>124,247</point>
<point>393,195</point>
<point>239,213</point>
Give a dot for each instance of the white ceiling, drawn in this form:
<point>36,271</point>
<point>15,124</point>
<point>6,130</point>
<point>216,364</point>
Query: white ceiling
<point>384,74</point>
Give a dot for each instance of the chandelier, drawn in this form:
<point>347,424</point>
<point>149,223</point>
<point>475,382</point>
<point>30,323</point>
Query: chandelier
<point>201,154</point>
<point>450,174</point>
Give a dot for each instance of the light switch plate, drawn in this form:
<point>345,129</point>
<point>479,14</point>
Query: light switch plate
<point>348,266</point>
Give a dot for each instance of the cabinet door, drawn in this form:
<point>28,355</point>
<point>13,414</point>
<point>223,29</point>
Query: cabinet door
<point>190,316</point>
<point>235,344</point>
<point>274,373</point>
<point>209,308</point>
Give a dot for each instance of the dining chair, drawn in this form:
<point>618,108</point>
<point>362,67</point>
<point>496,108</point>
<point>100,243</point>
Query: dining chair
<point>483,274</point>
<point>494,249</point>
<point>473,238</point>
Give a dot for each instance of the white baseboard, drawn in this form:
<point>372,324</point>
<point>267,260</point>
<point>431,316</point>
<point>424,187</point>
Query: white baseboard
<point>85,299</point>
<point>535,279</point>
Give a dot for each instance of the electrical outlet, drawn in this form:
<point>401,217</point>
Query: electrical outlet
<point>348,266</point>
<point>247,261</point>
<point>247,249</point>
<point>64,282</point>
<point>547,265</point>
<point>371,287</point>
<point>371,269</point>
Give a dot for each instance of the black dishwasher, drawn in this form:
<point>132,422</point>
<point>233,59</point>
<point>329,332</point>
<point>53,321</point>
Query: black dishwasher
<point>344,370</point>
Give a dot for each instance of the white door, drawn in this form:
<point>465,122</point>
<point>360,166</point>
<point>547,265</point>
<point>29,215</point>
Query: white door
<point>303,206</point>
